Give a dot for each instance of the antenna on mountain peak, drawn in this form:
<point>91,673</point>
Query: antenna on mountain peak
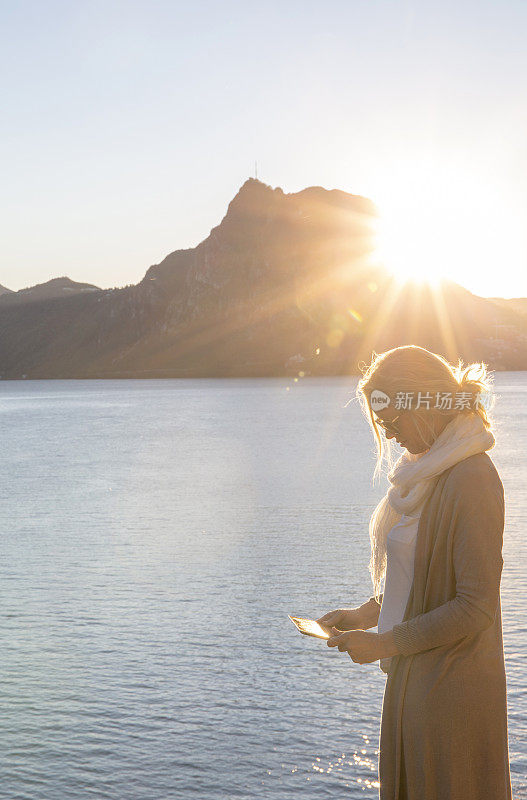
<point>256,170</point>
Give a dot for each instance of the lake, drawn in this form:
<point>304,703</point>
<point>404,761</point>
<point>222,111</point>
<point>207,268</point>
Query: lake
<point>156,536</point>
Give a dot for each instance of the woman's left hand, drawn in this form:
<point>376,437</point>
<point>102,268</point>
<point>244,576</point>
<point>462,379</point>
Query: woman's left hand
<point>363,647</point>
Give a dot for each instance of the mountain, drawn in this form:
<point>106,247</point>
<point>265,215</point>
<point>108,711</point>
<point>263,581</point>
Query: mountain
<point>4,290</point>
<point>57,287</point>
<point>286,283</point>
<point>518,304</point>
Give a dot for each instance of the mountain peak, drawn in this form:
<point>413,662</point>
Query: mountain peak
<point>55,287</point>
<point>253,194</point>
<point>284,283</point>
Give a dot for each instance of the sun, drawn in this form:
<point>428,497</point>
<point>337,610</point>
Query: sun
<point>403,245</point>
<point>421,232</point>
<point>437,221</point>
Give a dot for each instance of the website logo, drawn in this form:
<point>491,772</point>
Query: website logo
<point>379,400</point>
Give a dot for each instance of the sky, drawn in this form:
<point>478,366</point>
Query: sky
<point>128,127</point>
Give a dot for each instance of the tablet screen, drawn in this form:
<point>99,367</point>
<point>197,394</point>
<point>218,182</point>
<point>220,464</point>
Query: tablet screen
<point>310,627</point>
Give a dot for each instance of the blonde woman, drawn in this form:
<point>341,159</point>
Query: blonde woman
<point>436,541</point>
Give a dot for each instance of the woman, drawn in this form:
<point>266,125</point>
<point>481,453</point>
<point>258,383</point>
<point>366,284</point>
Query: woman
<point>436,539</point>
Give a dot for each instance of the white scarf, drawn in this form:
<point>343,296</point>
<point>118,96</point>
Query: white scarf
<point>414,476</point>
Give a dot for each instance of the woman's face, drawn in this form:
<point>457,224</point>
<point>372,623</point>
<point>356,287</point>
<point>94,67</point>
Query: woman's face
<point>406,431</point>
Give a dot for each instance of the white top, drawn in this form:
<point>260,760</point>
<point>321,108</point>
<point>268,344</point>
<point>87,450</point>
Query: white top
<point>400,552</point>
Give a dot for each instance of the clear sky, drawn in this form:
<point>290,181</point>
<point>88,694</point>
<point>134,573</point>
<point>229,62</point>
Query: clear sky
<point>129,126</point>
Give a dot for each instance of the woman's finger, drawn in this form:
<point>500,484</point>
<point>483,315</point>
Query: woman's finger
<point>331,642</point>
<point>327,619</point>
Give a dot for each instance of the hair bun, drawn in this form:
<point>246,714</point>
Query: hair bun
<point>467,382</point>
<point>472,387</point>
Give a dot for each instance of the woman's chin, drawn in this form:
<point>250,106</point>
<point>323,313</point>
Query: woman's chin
<point>416,450</point>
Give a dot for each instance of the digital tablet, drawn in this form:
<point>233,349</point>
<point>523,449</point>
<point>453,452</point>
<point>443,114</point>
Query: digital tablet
<point>310,628</point>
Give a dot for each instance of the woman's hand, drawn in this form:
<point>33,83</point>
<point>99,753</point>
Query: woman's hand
<point>363,647</point>
<point>345,619</point>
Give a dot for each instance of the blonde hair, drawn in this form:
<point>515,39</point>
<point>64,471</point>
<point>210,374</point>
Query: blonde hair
<point>411,368</point>
<point>414,369</point>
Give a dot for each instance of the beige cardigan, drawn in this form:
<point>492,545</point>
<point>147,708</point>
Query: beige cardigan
<point>444,729</point>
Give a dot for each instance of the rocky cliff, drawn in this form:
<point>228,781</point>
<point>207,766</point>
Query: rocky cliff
<point>285,283</point>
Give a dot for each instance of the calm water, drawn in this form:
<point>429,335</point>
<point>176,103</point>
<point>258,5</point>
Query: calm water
<point>155,536</point>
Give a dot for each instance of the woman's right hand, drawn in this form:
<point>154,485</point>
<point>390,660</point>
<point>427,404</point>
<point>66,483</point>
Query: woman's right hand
<point>345,619</point>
